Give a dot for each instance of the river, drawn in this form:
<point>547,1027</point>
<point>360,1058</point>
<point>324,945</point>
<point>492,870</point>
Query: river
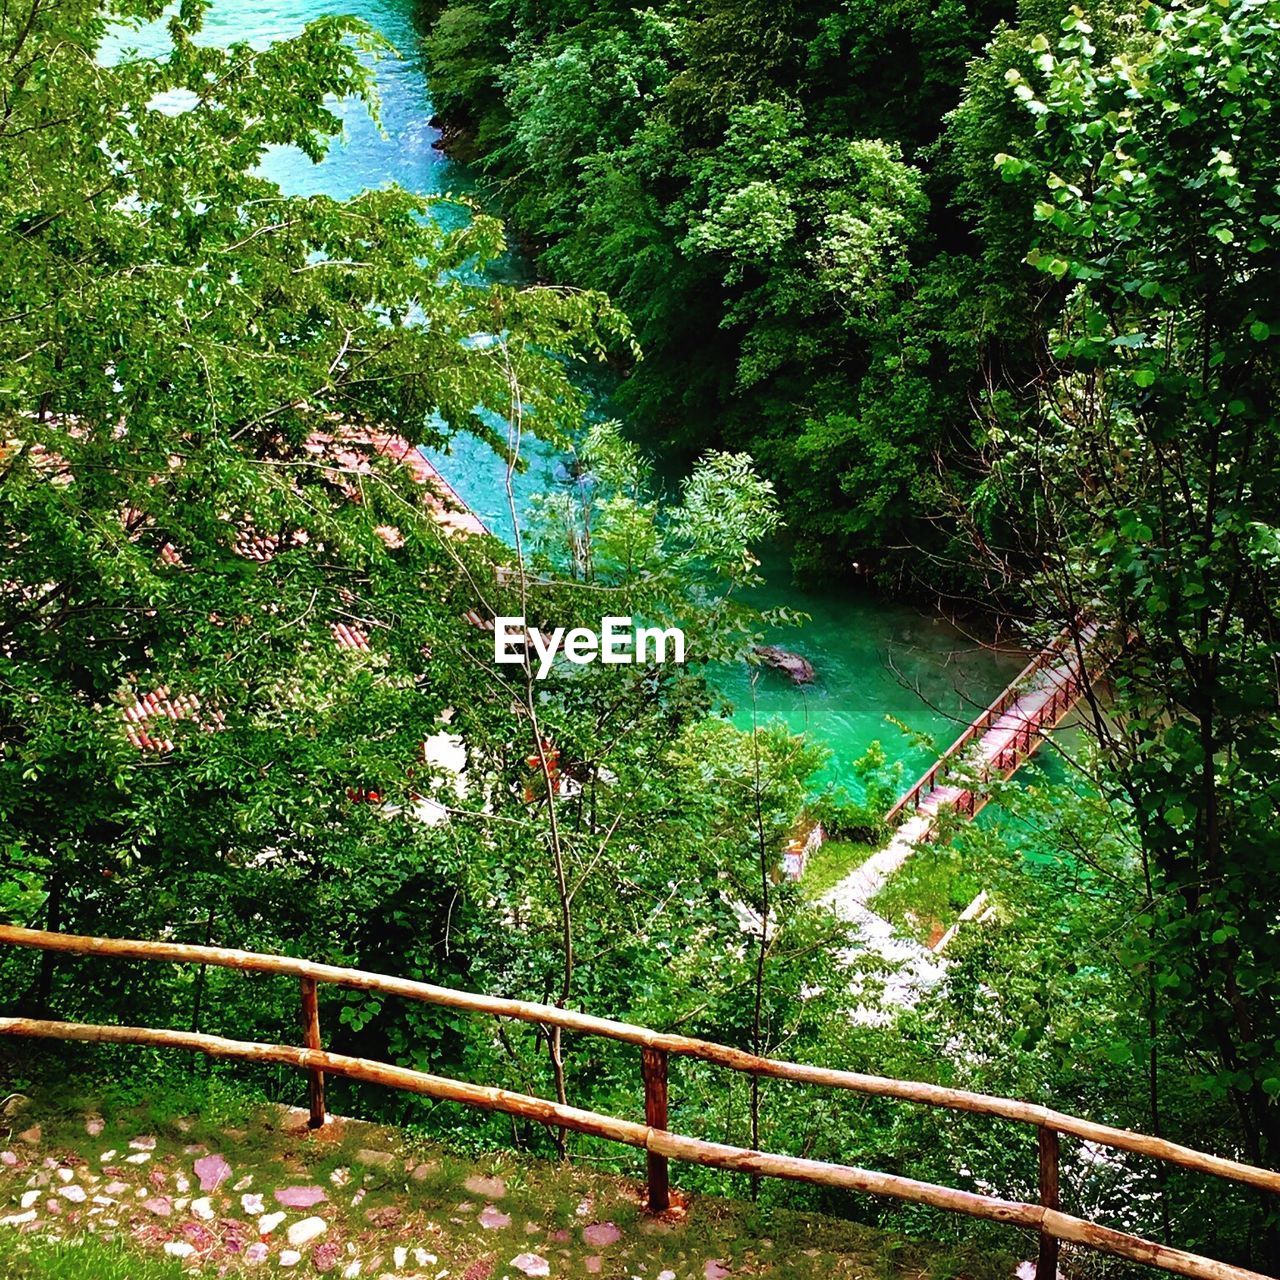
<point>878,662</point>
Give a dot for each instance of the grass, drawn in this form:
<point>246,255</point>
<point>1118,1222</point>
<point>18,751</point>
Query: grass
<point>86,1258</point>
<point>927,893</point>
<point>831,862</point>
<point>414,1194</point>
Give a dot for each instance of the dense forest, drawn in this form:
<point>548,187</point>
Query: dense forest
<point>977,299</point>
<point>797,208</point>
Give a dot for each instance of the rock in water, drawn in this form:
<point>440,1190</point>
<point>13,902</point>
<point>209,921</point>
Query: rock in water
<point>799,669</point>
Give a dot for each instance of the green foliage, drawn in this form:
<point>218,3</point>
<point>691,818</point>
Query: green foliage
<point>753,186</point>
<point>830,863</point>
<point>1151,466</point>
<point>191,501</point>
<point>829,255</point>
<point>465,47</point>
<point>682,563</point>
<point>166,416</point>
<point>88,1258</point>
<point>928,894</point>
<point>178,519</point>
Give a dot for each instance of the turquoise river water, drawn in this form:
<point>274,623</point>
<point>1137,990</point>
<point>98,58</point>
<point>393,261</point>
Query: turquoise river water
<point>877,661</point>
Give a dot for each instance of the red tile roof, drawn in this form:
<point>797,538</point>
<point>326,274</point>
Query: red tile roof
<point>142,712</point>
<point>347,450</point>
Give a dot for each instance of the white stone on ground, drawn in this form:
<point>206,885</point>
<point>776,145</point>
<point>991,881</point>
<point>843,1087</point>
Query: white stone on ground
<point>531,1264</point>
<point>304,1232</point>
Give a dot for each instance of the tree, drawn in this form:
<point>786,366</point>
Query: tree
<point>759,189</point>
<point>1150,479</point>
<point>194,487</point>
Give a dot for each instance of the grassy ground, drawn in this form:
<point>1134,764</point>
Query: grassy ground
<point>831,862</point>
<point>132,1196</point>
<point>86,1258</point>
<point>926,895</point>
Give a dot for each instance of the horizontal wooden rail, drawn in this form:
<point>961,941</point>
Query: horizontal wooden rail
<point>660,1145</point>
<point>1060,1226</point>
<point>707,1051</point>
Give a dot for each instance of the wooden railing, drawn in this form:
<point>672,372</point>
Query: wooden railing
<point>1024,742</point>
<point>653,1137</point>
<point>1063,698</point>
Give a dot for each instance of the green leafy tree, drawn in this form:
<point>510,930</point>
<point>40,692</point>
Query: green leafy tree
<point>191,497</point>
<point>1152,479</point>
<point>755,188</point>
<point>242,696</point>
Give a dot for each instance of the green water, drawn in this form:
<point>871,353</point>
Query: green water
<point>876,661</point>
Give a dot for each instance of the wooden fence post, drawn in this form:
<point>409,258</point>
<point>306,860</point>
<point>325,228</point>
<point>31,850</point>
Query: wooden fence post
<point>311,1036</point>
<point>653,1070</point>
<point>1047,1263</point>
